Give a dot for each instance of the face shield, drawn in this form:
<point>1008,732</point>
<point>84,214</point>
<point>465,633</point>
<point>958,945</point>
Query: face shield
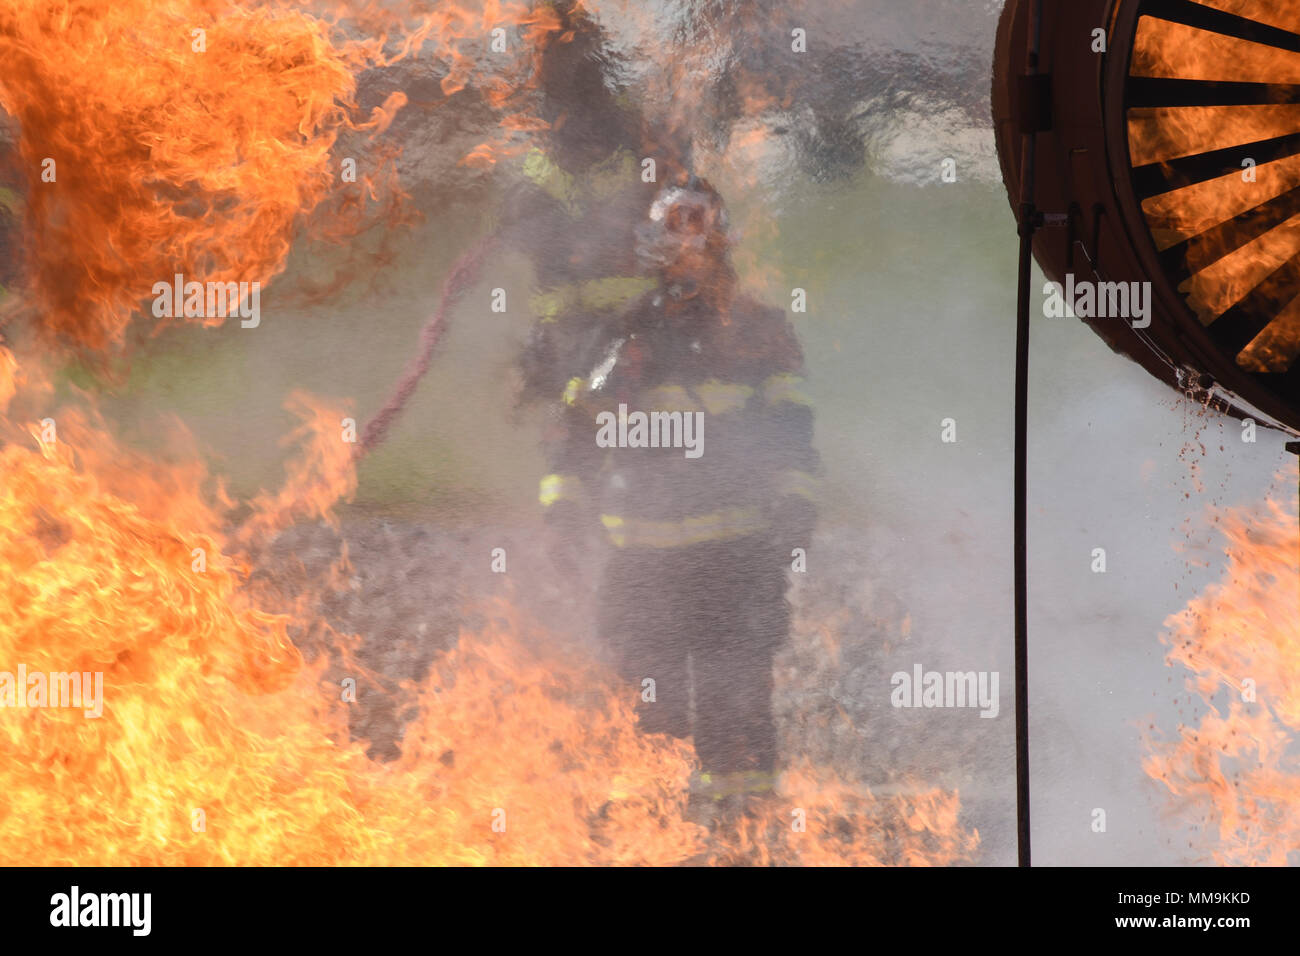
<point>682,221</point>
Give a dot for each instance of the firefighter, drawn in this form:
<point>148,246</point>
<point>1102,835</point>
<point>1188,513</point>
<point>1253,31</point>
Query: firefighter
<point>693,594</point>
<point>579,198</point>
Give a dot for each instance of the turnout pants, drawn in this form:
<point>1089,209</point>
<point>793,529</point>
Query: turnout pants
<point>703,622</point>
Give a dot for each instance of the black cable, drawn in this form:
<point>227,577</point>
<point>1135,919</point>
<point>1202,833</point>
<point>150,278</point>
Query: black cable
<point>1294,448</point>
<point>1028,225</point>
<point>1021,547</point>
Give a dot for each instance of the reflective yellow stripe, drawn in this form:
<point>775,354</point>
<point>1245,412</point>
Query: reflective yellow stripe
<point>613,174</point>
<point>555,488</point>
<point>719,398</point>
<point>594,294</point>
<point>551,179</point>
<point>784,388</point>
<point>717,786</point>
<point>572,389</point>
<point>613,291</point>
<point>600,182</point>
<point>669,398</point>
<point>716,398</point>
<point>795,482</point>
<point>719,526</point>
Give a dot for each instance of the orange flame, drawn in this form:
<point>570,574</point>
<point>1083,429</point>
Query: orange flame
<point>195,136</point>
<point>818,818</point>
<point>1221,275</point>
<point>152,148</point>
<point>8,377</point>
<point>1235,770</point>
<point>218,745</point>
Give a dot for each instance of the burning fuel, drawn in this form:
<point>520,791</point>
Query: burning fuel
<point>219,744</point>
